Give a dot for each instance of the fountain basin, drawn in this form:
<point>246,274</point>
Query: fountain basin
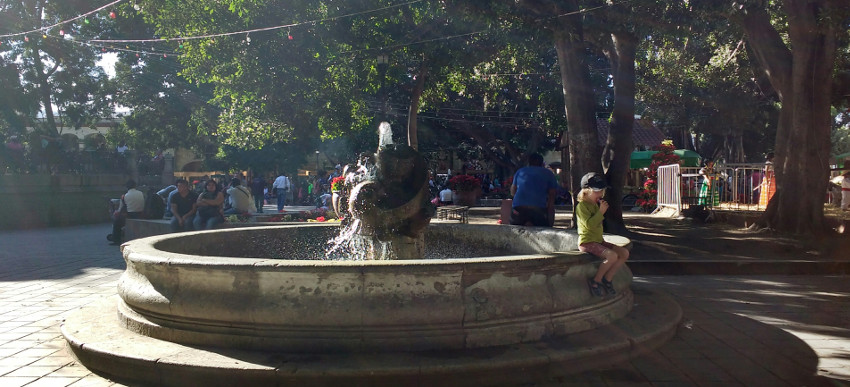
<point>262,289</point>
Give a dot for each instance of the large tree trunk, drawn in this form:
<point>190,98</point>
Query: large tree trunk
<point>803,79</point>
<point>618,147</point>
<point>45,92</point>
<point>413,111</point>
<point>581,138</point>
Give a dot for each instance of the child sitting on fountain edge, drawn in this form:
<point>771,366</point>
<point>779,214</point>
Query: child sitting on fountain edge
<point>590,212</point>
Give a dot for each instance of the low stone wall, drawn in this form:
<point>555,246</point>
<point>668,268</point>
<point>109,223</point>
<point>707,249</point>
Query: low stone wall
<point>141,228</point>
<point>36,201</point>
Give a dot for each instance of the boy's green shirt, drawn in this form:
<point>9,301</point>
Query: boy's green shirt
<point>589,222</point>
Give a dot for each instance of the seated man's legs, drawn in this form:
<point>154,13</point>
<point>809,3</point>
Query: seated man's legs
<point>529,216</point>
<point>187,225</point>
<point>175,224</point>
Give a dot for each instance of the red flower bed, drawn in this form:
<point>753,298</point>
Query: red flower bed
<point>464,183</point>
<point>648,194</point>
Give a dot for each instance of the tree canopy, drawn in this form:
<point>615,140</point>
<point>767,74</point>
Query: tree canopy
<point>495,79</point>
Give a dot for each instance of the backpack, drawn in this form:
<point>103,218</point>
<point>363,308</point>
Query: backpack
<point>154,205</point>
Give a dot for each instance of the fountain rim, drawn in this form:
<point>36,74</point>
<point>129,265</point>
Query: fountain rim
<point>146,249</point>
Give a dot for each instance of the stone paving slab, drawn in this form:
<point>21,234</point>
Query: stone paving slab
<point>738,331</point>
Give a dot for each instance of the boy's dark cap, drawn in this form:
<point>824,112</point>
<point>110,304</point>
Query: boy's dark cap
<point>593,181</point>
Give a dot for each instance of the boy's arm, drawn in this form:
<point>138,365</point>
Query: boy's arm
<point>584,216</point>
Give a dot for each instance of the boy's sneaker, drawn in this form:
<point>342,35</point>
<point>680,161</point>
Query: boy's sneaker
<point>609,286</point>
<point>595,288</point>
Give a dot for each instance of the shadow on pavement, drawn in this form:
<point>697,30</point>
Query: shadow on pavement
<point>56,253</point>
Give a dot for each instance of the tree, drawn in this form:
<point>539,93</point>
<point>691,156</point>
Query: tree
<point>270,86</point>
<point>15,105</point>
<point>55,71</point>
<point>801,71</point>
<point>697,81</point>
<point>166,110</point>
<point>503,107</point>
<point>564,21</point>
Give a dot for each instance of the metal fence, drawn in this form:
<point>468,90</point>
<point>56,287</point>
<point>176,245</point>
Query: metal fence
<point>730,187</point>
<point>669,192</point>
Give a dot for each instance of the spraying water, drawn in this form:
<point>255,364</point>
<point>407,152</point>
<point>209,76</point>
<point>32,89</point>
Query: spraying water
<point>387,208</point>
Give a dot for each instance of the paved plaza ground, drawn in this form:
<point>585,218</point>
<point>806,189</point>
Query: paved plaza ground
<point>754,330</point>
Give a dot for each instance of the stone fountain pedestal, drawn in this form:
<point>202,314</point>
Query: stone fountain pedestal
<point>98,340</point>
<point>507,305</point>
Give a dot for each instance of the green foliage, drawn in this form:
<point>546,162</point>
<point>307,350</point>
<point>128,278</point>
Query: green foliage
<point>52,71</point>
<point>699,81</point>
<point>841,133</point>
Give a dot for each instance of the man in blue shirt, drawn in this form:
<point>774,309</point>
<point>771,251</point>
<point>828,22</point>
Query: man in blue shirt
<point>534,190</point>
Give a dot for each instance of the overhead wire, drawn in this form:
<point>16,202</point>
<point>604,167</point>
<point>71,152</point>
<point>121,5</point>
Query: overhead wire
<point>41,29</point>
<point>245,32</point>
<point>488,115</point>
<point>310,22</point>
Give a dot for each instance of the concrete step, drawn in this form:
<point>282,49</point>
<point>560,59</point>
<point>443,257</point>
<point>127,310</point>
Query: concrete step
<point>737,267</point>
<point>101,344</point>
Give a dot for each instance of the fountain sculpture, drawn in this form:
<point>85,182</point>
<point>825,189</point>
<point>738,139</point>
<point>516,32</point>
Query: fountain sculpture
<point>459,305</point>
<point>391,210</point>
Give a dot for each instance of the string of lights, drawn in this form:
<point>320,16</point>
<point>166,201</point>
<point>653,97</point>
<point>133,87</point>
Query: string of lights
<point>78,17</point>
<point>446,110</point>
<point>529,123</point>
<point>106,45</point>
<point>246,32</point>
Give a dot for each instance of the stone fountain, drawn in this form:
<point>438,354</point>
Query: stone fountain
<point>458,305</point>
<point>391,208</point>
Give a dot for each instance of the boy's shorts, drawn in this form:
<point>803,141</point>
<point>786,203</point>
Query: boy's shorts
<point>596,248</point>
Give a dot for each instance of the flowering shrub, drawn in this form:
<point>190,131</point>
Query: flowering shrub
<point>337,183</point>
<point>464,183</point>
<point>316,215</point>
<point>648,194</point>
<point>238,218</point>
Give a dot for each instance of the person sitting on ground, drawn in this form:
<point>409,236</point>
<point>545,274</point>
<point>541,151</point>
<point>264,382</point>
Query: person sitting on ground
<point>133,202</point>
<point>183,207</point>
<point>590,212</point>
<point>240,198</point>
<point>533,189</point>
<point>209,213</point>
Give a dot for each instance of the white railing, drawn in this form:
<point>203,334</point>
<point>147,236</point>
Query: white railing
<point>668,187</point>
<point>733,187</point>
